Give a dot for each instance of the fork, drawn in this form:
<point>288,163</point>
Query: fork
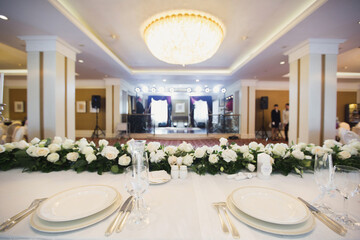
<point>233,229</point>
<point>223,225</point>
<point>9,223</point>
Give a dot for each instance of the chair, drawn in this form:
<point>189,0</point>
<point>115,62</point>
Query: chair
<point>19,134</point>
<point>121,128</point>
<point>11,130</point>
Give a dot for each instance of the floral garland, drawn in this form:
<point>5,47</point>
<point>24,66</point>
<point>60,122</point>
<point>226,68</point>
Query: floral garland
<point>55,155</point>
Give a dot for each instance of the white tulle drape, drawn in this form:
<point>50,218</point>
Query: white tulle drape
<point>159,111</point>
<point>201,111</point>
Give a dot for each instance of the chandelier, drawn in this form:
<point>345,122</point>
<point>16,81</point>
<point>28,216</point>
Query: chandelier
<point>183,36</point>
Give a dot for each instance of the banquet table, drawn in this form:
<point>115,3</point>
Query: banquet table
<point>180,209</point>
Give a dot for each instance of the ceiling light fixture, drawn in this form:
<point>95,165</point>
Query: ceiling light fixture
<point>153,89</point>
<point>207,90</point>
<point>223,90</point>
<point>81,61</point>
<point>197,80</point>
<point>282,62</point>
<point>137,89</point>
<point>171,90</point>
<point>188,90</point>
<point>164,80</point>
<point>183,36</point>
<point>3,17</point>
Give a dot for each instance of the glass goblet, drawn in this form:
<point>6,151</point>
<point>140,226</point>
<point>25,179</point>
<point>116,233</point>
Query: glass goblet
<point>136,183</point>
<point>347,181</point>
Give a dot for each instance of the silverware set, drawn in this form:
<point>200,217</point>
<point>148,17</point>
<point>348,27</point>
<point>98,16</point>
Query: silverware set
<point>9,223</point>
<point>330,223</point>
<point>233,230</point>
<point>118,224</point>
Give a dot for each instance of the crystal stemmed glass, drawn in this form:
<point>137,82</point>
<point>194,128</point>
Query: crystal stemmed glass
<point>136,183</point>
<point>324,177</point>
<point>347,181</point>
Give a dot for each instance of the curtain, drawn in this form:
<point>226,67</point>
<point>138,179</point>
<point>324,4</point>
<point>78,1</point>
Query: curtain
<point>166,107</point>
<point>201,111</point>
<point>207,100</point>
<point>159,111</point>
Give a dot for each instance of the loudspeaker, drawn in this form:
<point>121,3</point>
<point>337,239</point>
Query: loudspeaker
<point>95,101</point>
<point>264,103</point>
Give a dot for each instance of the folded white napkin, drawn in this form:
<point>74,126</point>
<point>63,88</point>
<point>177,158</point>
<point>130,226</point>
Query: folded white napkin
<point>159,176</point>
<point>241,176</point>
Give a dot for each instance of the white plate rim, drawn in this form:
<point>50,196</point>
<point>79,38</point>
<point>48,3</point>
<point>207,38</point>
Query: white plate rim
<point>57,227</point>
<point>308,213</point>
<point>71,189</point>
<point>280,229</point>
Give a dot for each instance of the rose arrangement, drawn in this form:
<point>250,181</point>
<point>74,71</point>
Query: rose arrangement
<point>55,155</point>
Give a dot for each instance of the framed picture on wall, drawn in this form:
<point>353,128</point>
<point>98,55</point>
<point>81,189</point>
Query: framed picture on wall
<point>91,109</point>
<point>18,106</point>
<point>180,107</point>
<point>81,106</point>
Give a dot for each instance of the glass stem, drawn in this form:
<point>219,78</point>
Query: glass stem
<point>345,205</point>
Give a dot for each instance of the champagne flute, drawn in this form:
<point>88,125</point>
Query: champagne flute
<point>347,181</point>
<point>324,178</point>
<point>136,183</point>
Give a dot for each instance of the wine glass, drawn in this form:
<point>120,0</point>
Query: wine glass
<point>347,181</point>
<point>324,178</point>
<point>136,183</point>
<point>137,151</point>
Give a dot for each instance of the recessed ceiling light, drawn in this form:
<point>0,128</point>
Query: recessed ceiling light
<point>164,80</point>
<point>113,36</point>
<point>244,38</point>
<point>81,61</point>
<point>206,86</point>
<point>207,90</point>
<point>137,89</point>
<point>3,17</point>
<point>153,90</point>
<point>223,90</point>
<point>171,89</point>
<point>282,62</point>
<point>346,67</point>
<point>197,80</point>
<point>188,90</point>
<point>358,22</point>
<point>154,85</point>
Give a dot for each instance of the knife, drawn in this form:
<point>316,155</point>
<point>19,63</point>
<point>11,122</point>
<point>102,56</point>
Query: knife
<point>128,210</point>
<point>115,222</point>
<point>333,225</point>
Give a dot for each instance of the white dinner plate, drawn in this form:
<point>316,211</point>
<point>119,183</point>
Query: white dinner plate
<point>56,227</point>
<point>159,177</point>
<point>294,229</point>
<point>77,203</point>
<point>270,205</point>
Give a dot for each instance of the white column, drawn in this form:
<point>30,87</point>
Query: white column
<point>312,93</point>
<point>116,93</point>
<point>50,87</point>
<point>247,108</point>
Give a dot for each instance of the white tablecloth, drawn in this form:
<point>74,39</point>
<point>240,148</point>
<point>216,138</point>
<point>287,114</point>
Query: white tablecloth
<point>180,209</point>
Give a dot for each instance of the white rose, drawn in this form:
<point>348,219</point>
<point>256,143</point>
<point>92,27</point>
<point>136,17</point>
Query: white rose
<point>54,147</point>
<point>94,145</point>
<point>68,144</point>
<point>153,146</point>
<point>188,160</point>
<point>42,143</point>
<point>179,161</point>
<point>199,152</point>
<point>251,167</point>
<point>159,156</point>
<point>331,143</point>
<point>90,157</point>
<point>172,160</point>
<point>9,147</point>
<point>223,141</point>
<point>171,150</point>
<point>57,140</point>
<point>87,150</point>
<point>310,147</point>
<point>53,157</point>
<point>235,147</point>
<point>42,151</point>
<point>344,155</point>
<point>73,156</point>
<point>229,155</point>
<point>286,155</point>
<point>355,144</point>
<point>124,160</point>
<point>110,152</point>
<point>103,142</point>
<point>298,154</point>
<point>350,149</point>
<point>216,148</point>
<point>301,146</point>
<point>279,150</point>
<point>185,147</point>
<point>82,143</point>
<point>248,156</point>
<point>319,151</point>
<point>35,141</point>
<point>21,145</point>
<point>2,149</point>
<point>213,158</point>
<point>253,145</point>
<point>31,151</point>
<point>261,147</point>
<point>244,149</point>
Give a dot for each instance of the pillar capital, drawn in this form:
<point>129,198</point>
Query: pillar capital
<point>248,82</point>
<point>49,43</point>
<point>118,82</point>
<point>314,46</point>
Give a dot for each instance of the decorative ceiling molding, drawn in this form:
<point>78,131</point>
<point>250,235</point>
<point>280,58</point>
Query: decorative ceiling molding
<point>74,17</point>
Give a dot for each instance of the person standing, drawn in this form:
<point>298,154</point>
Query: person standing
<point>286,121</point>
<point>275,122</point>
